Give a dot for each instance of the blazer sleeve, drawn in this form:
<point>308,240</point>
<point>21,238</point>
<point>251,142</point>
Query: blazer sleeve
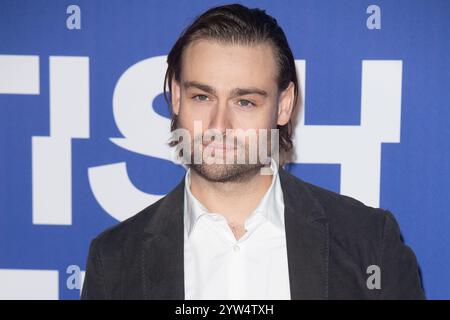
<point>94,287</point>
<point>400,277</point>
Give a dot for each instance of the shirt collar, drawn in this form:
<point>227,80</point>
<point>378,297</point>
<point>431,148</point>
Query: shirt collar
<point>271,206</point>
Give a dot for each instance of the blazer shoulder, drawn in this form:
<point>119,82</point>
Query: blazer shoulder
<point>344,214</point>
<point>126,234</point>
<point>344,207</point>
<point>128,230</point>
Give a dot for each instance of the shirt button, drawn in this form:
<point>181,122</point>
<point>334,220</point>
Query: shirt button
<point>236,248</point>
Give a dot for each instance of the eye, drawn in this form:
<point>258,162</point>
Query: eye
<point>200,97</point>
<point>246,103</point>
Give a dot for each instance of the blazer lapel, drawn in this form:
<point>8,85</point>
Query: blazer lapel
<point>163,249</point>
<point>306,240</point>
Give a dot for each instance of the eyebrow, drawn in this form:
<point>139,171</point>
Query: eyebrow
<point>236,92</point>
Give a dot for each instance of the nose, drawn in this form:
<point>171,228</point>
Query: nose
<point>220,119</point>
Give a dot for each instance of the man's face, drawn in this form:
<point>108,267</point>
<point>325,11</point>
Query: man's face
<point>227,86</point>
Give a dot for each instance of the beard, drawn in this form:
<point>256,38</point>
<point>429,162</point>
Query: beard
<point>226,172</point>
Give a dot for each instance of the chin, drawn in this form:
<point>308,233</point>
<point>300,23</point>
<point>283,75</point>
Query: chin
<point>226,172</point>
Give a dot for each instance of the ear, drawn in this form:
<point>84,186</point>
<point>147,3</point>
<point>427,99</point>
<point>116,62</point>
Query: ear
<point>175,96</point>
<point>286,105</point>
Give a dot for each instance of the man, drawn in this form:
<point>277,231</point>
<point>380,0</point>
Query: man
<point>245,230</point>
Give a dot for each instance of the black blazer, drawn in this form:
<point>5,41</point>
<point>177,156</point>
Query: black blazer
<point>331,240</point>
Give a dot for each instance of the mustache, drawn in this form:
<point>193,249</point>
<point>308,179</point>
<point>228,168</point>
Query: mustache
<point>201,139</point>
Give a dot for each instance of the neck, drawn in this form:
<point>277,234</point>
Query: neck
<point>234,200</point>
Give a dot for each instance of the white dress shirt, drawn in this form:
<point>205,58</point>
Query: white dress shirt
<point>217,266</point>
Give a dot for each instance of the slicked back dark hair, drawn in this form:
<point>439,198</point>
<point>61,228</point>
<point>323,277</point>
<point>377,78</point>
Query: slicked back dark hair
<point>237,24</point>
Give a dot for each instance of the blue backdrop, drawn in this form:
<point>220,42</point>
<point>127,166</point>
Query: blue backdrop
<point>83,122</point>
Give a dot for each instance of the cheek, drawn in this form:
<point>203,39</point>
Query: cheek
<point>186,116</point>
<point>262,118</point>
<point>190,112</point>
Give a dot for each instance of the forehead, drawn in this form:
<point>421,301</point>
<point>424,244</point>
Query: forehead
<point>229,65</point>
